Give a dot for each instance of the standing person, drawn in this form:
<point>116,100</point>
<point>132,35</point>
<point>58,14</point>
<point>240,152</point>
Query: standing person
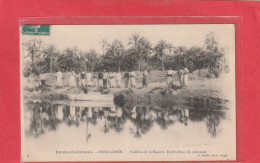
<point>185,76</point>
<point>169,77</point>
<point>126,77</point>
<point>132,79</point>
<point>59,78</point>
<point>83,78</point>
<point>145,78</point>
<point>95,79</point>
<point>173,74</point>
<point>78,79</point>
<point>108,79</point>
<point>112,80</point>
<point>180,76</point>
<point>100,79</point>
<point>118,79</point>
<point>105,77</point>
<point>72,79</point>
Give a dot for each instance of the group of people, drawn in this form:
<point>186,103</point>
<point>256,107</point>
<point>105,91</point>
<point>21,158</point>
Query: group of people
<point>182,76</point>
<point>107,79</point>
<point>130,77</point>
<point>103,79</point>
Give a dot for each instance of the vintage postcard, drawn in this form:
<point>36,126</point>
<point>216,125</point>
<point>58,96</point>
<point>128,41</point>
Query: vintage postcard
<point>162,92</point>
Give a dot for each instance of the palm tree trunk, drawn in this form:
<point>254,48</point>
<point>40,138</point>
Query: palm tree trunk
<point>162,64</point>
<point>139,65</point>
<point>51,65</point>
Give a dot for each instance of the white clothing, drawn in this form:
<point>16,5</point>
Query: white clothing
<point>59,113</point>
<point>59,78</point>
<point>132,81</point>
<point>72,82</point>
<point>118,79</point>
<point>83,82</point>
<point>113,109</point>
<point>186,112</point>
<point>118,76</point>
<point>100,82</point>
<point>89,77</point>
<point>119,112</point>
<point>72,110</point>
<point>89,113</point>
<point>185,76</point>
<point>169,80</point>
<point>132,74</point>
<point>105,76</point>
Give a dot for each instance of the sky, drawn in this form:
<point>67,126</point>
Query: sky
<point>86,37</point>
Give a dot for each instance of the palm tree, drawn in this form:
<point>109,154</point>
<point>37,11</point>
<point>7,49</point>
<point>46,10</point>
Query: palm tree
<point>92,57</point>
<point>116,52</point>
<point>49,54</point>
<point>138,46</point>
<point>104,44</point>
<point>161,50</point>
<point>33,48</point>
<point>147,48</point>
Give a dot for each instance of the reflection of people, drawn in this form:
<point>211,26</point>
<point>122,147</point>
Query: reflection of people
<point>59,113</point>
<point>133,113</point>
<point>59,78</point>
<point>185,77</point>
<point>132,79</point>
<point>145,76</point>
<point>119,112</point>
<point>89,113</point>
<point>185,116</point>
<point>72,112</point>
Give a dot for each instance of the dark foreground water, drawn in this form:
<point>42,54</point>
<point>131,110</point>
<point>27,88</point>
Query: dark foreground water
<point>42,117</point>
<point>59,125</point>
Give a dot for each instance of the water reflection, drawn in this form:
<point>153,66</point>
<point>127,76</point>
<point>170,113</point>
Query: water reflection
<point>42,117</point>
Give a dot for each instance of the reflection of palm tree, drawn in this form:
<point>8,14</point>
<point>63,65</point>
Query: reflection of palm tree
<point>53,120</point>
<point>36,120</point>
<point>212,122</point>
<point>162,120</point>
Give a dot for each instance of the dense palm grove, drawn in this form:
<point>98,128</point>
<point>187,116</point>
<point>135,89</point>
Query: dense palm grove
<point>115,56</point>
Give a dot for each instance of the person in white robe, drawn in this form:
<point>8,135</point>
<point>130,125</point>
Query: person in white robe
<point>169,77</point>
<point>118,79</point>
<point>59,78</point>
<point>132,79</point>
<point>185,77</point>
<point>72,82</point>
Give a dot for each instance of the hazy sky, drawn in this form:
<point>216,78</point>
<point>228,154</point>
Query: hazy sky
<point>90,36</point>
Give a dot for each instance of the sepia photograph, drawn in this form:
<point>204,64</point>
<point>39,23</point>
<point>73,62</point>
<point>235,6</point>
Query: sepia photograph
<point>155,92</point>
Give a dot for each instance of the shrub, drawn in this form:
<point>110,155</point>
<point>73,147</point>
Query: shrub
<point>210,76</point>
<point>216,72</point>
